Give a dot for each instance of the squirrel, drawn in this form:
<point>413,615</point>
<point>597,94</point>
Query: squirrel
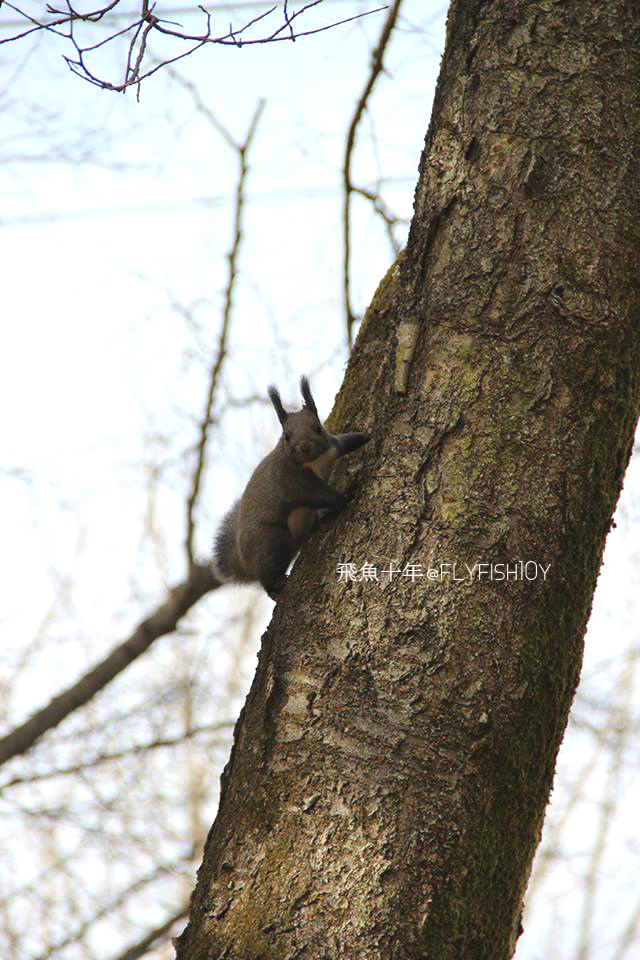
<point>265,528</point>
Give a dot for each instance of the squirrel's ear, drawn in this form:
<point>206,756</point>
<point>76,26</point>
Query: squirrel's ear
<point>305,390</point>
<point>274,396</point>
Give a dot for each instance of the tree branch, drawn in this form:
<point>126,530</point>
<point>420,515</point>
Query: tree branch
<point>124,896</point>
<point>221,352</point>
<point>388,217</point>
<point>143,946</point>
<point>164,620</point>
<point>144,24</point>
<point>134,750</point>
<point>376,70</point>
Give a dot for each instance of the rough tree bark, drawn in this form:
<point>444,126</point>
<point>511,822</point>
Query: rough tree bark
<point>391,767</point>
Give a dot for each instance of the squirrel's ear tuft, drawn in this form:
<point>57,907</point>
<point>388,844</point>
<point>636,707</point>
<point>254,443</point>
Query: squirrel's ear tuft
<point>305,390</point>
<point>274,396</point>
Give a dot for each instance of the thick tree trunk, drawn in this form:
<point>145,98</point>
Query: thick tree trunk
<point>391,767</point>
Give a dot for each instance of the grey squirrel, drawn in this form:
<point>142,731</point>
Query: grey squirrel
<point>265,528</point>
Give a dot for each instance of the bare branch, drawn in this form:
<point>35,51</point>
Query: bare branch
<point>388,217</point>
<point>607,807</point>
<point>374,73</point>
<point>628,938</point>
<point>221,352</point>
<point>144,24</point>
<point>165,619</point>
<point>111,906</point>
<point>136,748</point>
<point>143,946</point>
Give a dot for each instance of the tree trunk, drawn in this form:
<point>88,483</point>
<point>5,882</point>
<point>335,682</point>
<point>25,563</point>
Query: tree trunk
<point>386,790</point>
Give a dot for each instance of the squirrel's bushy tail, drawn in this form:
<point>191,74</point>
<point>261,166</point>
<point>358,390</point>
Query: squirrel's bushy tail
<point>226,562</point>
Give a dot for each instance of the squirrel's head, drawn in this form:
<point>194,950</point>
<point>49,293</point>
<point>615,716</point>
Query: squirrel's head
<point>303,435</point>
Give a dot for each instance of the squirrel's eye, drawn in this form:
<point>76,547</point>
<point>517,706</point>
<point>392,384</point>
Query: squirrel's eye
<point>286,436</point>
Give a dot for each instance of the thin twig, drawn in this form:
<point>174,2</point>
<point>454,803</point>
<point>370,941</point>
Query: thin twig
<point>165,619</point>
<point>122,898</point>
<point>134,750</point>
<point>609,802</point>
<point>389,219</point>
<point>144,23</point>
<point>221,352</point>
<point>376,70</point>
<point>139,949</point>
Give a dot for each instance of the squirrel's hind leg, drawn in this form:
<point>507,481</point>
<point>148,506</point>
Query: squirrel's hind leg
<point>271,556</point>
